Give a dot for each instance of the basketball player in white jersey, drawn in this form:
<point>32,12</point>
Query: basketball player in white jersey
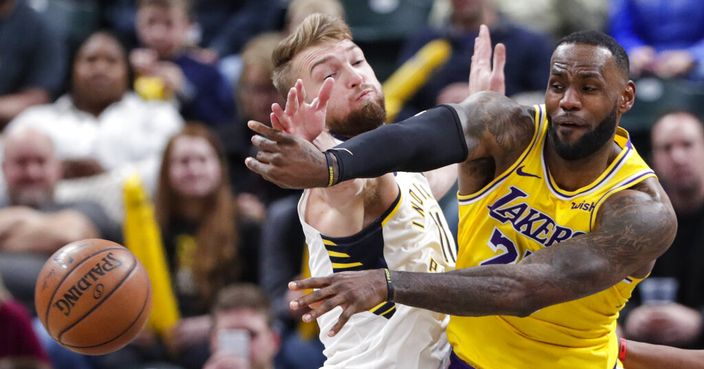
<point>392,221</point>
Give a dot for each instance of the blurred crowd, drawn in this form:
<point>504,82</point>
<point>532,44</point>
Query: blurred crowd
<point>93,92</point>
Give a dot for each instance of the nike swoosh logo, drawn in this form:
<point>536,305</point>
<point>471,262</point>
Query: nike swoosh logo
<point>520,172</point>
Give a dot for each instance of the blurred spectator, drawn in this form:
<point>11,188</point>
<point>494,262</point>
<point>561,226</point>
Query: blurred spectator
<point>18,343</point>
<point>255,94</point>
<point>671,297</point>
<point>298,10</point>
<point>556,18</point>
<point>226,26</point>
<point>529,53</point>
<point>207,247</point>
<point>99,125</point>
<point>33,221</point>
<point>220,27</point>
<point>33,224</point>
<point>72,20</point>
<point>202,92</point>
<point>283,259</point>
<point>242,336</point>
<point>33,60</point>
<point>662,37</point>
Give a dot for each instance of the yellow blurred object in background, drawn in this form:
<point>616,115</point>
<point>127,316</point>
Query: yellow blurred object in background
<point>408,78</point>
<point>143,238</point>
<point>150,88</point>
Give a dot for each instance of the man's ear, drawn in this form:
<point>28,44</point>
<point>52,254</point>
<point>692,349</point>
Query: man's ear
<point>627,98</point>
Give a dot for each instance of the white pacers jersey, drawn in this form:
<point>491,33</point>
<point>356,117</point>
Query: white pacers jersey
<point>412,235</point>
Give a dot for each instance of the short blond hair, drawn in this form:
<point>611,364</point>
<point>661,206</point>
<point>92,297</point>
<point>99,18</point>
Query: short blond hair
<point>315,29</point>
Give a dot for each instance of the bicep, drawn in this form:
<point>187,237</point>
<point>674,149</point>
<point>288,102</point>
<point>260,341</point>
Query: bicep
<point>496,131</point>
<point>494,125</point>
<point>632,229</point>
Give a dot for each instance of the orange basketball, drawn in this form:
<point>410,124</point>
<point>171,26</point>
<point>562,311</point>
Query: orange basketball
<point>93,296</point>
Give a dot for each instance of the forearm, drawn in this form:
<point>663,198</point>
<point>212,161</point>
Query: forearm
<point>486,290</point>
<point>58,229</point>
<point>427,141</point>
<point>646,356</point>
<point>12,105</point>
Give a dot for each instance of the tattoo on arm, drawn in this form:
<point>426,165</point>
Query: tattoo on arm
<point>495,125</point>
<point>634,228</point>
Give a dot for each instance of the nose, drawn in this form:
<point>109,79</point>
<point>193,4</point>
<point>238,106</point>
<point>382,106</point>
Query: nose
<point>101,66</point>
<point>680,154</point>
<point>355,78</point>
<point>570,100</point>
<point>158,31</point>
<point>34,171</point>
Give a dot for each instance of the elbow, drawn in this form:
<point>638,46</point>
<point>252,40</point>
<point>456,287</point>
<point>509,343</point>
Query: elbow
<point>525,310</point>
<point>530,295</point>
<point>520,298</point>
<point>525,304</point>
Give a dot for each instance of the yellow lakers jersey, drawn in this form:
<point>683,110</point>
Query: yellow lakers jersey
<point>521,211</point>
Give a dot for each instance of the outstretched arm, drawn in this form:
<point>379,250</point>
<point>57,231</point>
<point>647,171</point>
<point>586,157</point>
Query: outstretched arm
<point>484,126</point>
<point>424,142</point>
<point>25,229</point>
<point>641,355</point>
<point>633,228</point>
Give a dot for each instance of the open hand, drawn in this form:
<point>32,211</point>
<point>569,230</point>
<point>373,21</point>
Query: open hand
<point>303,119</point>
<point>483,76</point>
<point>353,291</point>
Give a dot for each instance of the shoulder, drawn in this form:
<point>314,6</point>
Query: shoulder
<point>38,115</point>
<point>648,193</point>
<point>490,116</point>
<point>643,211</point>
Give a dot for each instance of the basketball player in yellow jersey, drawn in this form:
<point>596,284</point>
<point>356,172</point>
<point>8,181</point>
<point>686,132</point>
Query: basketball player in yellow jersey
<point>560,217</point>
